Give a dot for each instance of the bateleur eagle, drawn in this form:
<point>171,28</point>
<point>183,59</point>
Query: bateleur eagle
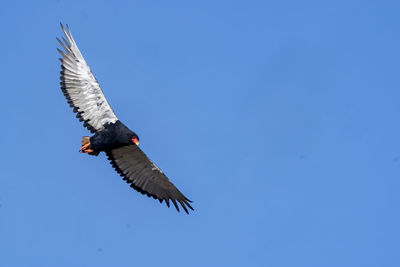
<point>111,136</point>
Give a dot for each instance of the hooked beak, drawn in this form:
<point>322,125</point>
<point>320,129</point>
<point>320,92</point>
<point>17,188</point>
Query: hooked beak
<point>135,140</point>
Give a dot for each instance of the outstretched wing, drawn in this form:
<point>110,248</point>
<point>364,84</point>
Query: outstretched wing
<point>144,176</point>
<point>81,88</point>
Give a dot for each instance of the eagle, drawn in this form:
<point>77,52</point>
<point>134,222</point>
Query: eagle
<point>111,136</point>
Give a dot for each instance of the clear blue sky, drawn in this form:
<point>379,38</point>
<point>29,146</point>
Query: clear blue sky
<point>280,119</point>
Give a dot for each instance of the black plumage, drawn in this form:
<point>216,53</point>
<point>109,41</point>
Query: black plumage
<point>111,136</point>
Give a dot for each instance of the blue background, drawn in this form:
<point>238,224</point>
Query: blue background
<point>280,119</point>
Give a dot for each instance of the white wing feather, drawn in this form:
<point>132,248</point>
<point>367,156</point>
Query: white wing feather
<point>81,88</point>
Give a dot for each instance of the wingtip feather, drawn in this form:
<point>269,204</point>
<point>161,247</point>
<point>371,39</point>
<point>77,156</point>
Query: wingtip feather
<point>175,204</point>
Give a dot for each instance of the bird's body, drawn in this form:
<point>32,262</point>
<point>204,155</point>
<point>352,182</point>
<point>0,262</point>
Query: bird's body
<point>111,136</point>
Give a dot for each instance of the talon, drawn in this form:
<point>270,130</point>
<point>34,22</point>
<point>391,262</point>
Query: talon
<point>88,151</point>
<point>84,147</point>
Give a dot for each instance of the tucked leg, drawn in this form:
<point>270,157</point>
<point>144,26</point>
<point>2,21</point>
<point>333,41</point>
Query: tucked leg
<point>86,146</point>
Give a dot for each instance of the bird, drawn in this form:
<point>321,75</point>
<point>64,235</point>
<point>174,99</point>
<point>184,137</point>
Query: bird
<point>111,136</point>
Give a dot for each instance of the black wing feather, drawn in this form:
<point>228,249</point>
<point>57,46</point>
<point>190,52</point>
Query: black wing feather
<point>145,177</point>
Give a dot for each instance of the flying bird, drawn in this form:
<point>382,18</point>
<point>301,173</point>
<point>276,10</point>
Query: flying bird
<point>111,136</point>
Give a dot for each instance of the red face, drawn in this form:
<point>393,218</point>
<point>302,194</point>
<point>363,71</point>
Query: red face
<point>135,140</point>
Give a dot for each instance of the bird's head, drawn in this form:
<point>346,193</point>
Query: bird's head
<point>135,139</point>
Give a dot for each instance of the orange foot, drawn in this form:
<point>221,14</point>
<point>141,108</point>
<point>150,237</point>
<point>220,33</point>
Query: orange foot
<point>86,146</point>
